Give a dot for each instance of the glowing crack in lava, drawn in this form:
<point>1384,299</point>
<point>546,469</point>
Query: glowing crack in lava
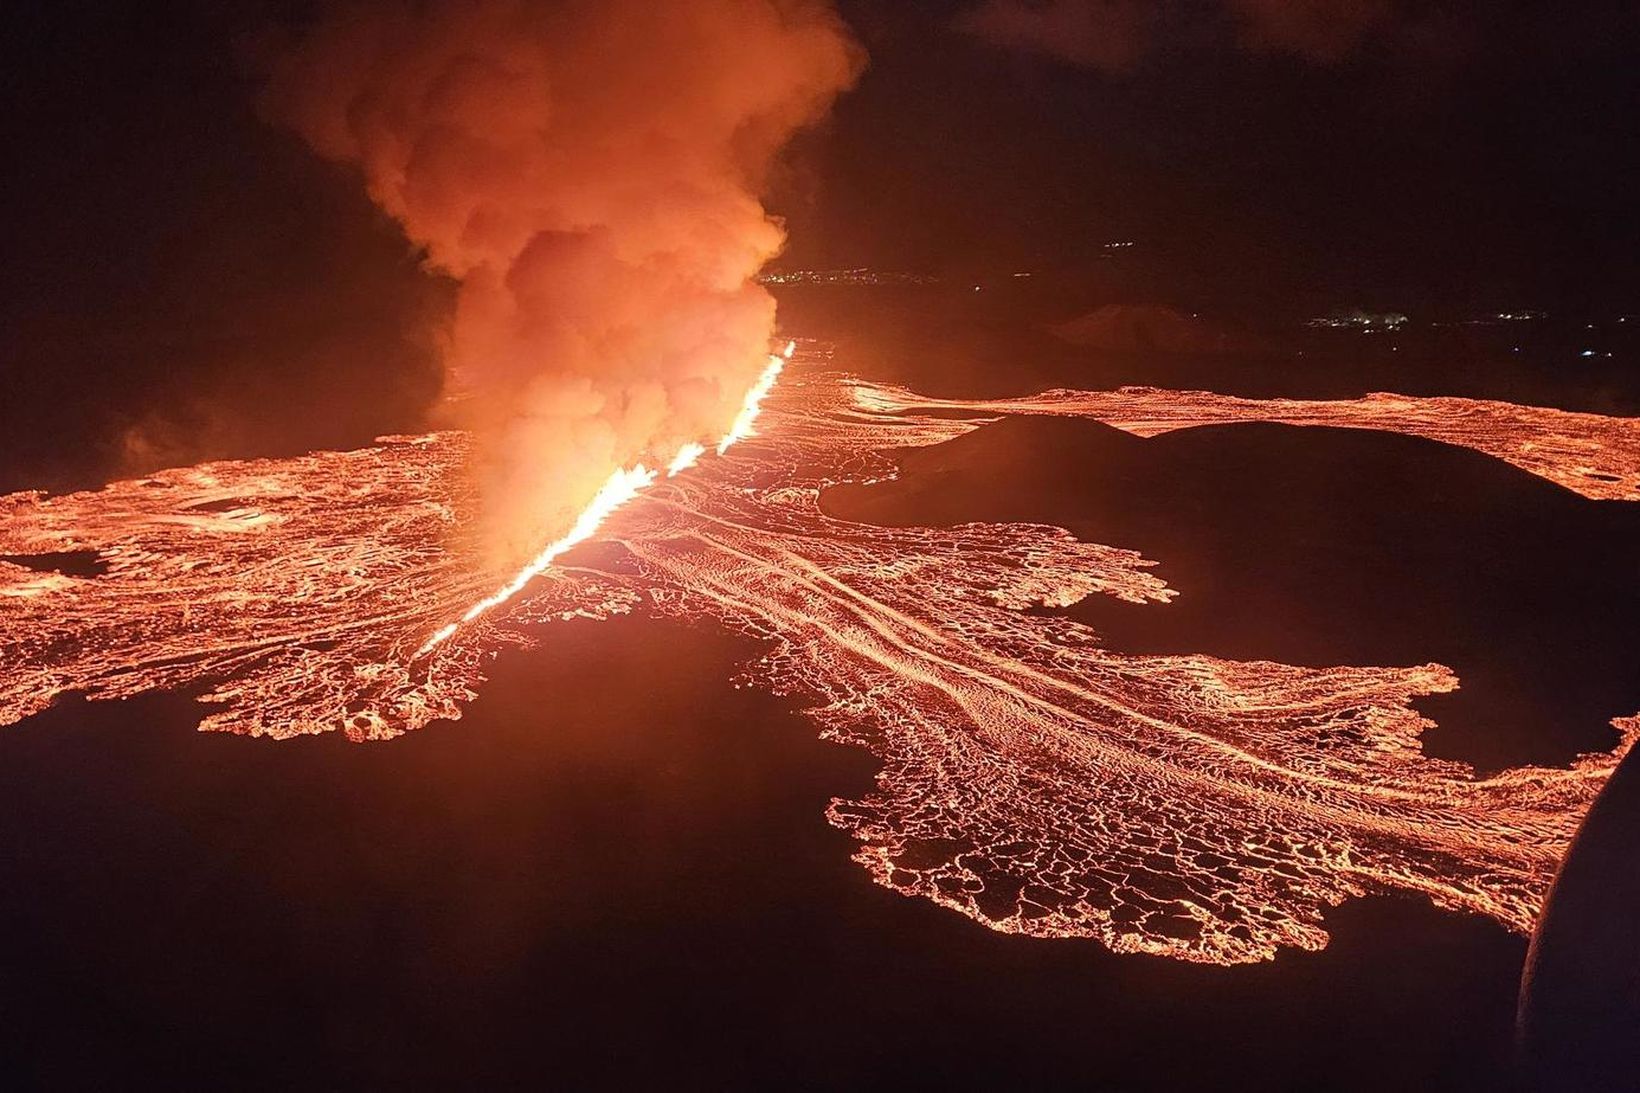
<point>1189,806</point>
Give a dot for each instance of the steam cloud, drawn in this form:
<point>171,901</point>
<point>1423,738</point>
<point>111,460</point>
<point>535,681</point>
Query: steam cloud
<point>590,171</point>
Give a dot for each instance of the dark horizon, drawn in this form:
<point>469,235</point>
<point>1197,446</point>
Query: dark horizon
<point>174,263</point>
<point>1475,157</point>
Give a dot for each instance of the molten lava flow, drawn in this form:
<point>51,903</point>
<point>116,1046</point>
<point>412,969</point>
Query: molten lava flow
<point>1190,806</point>
<point>687,457</point>
<point>1596,456</point>
<point>742,426</point>
<point>621,487</point>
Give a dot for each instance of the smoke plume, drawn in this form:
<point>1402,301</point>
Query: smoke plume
<point>589,170</point>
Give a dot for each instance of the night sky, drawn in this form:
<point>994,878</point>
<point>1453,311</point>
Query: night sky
<point>1479,151</point>
<point>174,262</point>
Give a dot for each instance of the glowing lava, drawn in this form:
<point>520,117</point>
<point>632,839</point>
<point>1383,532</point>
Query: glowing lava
<point>1031,779</point>
<point>742,426</point>
<point>687,457</point>
<point>1596,456</point>
<point>621,487</point>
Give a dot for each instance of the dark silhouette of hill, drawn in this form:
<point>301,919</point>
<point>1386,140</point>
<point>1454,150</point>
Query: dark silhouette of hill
<point>1328,546</point>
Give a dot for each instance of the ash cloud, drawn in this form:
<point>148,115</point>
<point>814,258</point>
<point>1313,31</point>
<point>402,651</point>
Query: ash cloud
<point>590,174</point>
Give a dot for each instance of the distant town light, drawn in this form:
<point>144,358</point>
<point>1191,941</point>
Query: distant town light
<point>1364,321</point>
<point>858,276</point>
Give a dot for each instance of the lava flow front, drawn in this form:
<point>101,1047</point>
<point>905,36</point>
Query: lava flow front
<point>1200,808</point>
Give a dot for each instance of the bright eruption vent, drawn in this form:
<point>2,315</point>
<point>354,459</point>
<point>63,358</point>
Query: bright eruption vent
<point>1189,806</point>
<point>622,487</point>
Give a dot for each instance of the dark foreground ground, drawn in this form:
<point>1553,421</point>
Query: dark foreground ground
<point>615,870</point>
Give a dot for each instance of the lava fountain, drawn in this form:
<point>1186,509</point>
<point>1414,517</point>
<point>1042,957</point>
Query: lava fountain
<point>1031,779</point>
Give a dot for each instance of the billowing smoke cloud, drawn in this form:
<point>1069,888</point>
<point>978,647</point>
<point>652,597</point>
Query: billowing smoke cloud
<point>1115,35</point>
<point>589,170</point>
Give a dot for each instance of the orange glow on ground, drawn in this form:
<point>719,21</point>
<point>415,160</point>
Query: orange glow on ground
<point>1589,454</point>
<point>1031,779</point>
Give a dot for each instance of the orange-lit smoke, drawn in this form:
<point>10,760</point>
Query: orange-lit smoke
<point>590,173</point>
<point>622,486</point>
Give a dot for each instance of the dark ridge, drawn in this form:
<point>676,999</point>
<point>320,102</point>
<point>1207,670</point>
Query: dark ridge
<point>70,563</point>
<point>1328,546</point>
<point>1580,994</point>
